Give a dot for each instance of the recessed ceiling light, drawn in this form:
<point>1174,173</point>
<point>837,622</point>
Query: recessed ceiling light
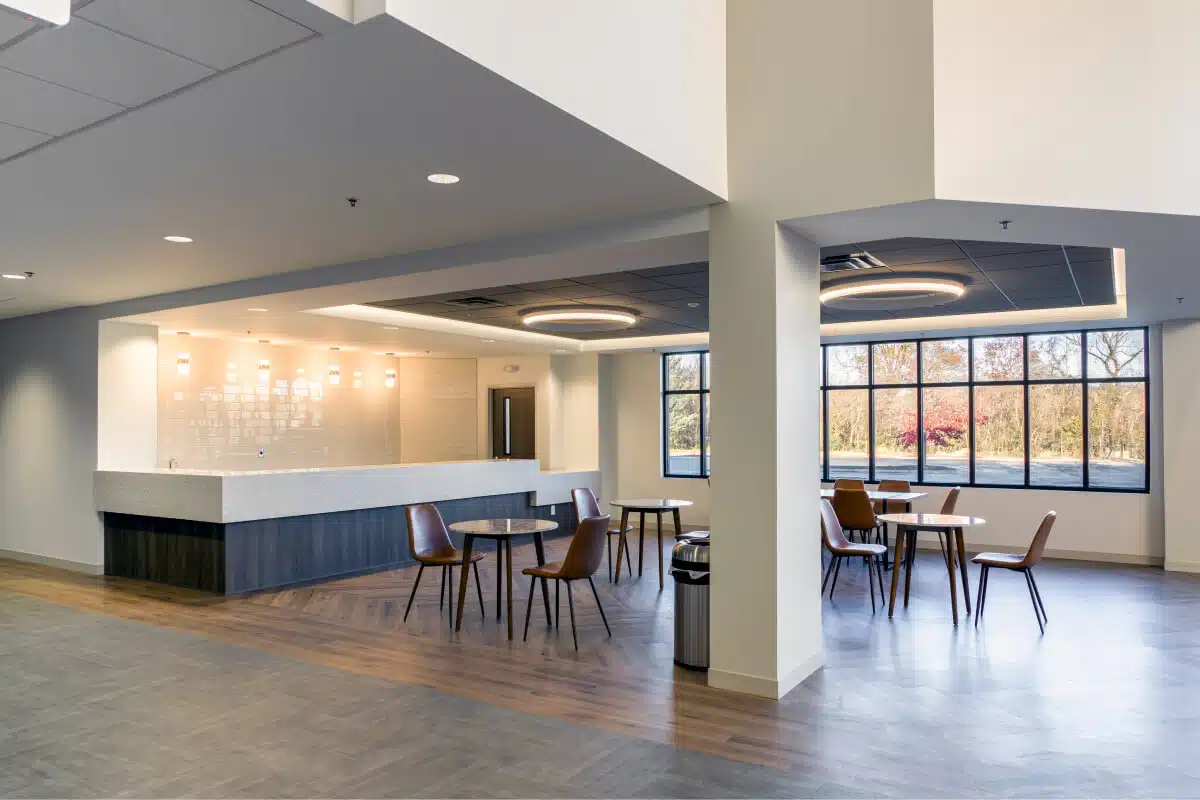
<point>182,333</point>
<point>442,178</point>
<point>335,348</point>
<point>489,341</point>
<point>894,286</point>
<point>560,351</point>
<point>14,277</point>
<point>178,239</point>
<point>693,305</point>
<point>390,328</point>
<point>264,341</point>
<point>256,309</point>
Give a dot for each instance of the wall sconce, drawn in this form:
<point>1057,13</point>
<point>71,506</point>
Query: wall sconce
<point>183,364</point>
<point>358,379</point>
<point>389,379</point>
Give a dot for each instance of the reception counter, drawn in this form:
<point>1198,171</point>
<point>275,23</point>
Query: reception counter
<point>240,531</point>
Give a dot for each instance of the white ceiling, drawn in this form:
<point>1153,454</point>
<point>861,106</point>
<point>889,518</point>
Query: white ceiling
<point>225,121</point>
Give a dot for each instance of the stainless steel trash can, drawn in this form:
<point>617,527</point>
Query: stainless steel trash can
<point>690,570</point>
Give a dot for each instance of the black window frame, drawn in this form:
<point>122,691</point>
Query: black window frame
<point>702,392</point>
<point>1084,382</point>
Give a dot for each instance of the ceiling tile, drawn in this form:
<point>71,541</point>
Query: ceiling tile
<point>1089,254</point>
<point>628,283</point>
<point>91,59</point>
<point>577,292</point>
<point>896,259</point>
<point>13,140</point>
<point>1051,281</point>
<point>693,280</point>
<point>899,243</point>
<point>13,24</point>
<point>1038,258</point>
<point>676,269</point>
<point>986,249</point>
<point>659,295</point>
<point>219,33</point>
<point>47,108</point>
<point>1095,281</point>
<point>1050,301</point>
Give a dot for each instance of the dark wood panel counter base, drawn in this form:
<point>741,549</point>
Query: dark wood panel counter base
<point>240,557</point>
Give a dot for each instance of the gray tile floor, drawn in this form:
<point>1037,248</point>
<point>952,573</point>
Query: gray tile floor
<point>1106,704</point>
<point>94,706</point>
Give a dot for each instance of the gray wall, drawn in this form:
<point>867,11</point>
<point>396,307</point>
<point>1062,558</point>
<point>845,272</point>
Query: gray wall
<point>48,420</point>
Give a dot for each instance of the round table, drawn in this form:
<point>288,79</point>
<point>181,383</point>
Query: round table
<point>643,506</point>
<point>502,531</point>
<point>952,525</point>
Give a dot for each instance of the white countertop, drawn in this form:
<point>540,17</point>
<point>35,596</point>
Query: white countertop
<point>225,496</point>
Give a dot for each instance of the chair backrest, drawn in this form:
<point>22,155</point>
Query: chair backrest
<point>951,501</point>
<point>849,483</point>
<point>831,528</point>
<point>1038,546</point>
<point>585,504</point>
<point>854,509</point>
<point>427,534</point>
<point>586,550</point>
<point>894,506</point>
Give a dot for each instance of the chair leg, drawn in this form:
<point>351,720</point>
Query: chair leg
<point>879,574</point>
<point>981,596</point>
<point>442,591</point>
<point>836,571</point>
<point>1037,593</point>
<point>886,546</point>
<point>571,605</point>
<point>599,605</point>
<point>450,594</point>
<point>871,581</point>
<point>610,572</point>
<point>529,606</point>
<point>1037,612</point>
<point>413,595</point>
<point>556,606</point>
<point>479,591</point>
<point>828,572</point>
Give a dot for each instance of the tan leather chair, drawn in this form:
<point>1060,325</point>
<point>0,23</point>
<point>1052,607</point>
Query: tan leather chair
<point>587,507</point>
<point>951,501</point>
<point>893,506</point>
<point>840,547</point>
<point>584,554</point>
<point>856,513</point>
<point>430,545</point>
<point>1018,563</point>
<point>849,483</point>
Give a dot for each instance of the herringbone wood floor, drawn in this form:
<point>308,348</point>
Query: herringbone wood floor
<point>1103,704</point>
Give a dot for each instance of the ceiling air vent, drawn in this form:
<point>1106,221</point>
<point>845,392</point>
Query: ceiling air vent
<point>474,302</point>
<point>850,261</point>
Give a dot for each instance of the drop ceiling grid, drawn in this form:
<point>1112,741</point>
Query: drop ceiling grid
<point>660,296</point>
<point>117,56</point>
<point>1001,276</point>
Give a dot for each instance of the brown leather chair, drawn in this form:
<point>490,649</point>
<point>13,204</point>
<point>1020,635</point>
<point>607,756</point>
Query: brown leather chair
<point>850,483</point>
<point>840,547</point>
<point>430,546</point>
<point>948,506</point>
<point>857,514</point>
<point>584,554</point>
<point>1018,563</point>
<point>587,507</point>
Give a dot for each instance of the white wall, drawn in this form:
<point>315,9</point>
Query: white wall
<point>225,409</point>
<point>1082,103</point>
<point>580,377</point>
<point>651,75</point>
<point>531,371</point>
<point>48,423</point>
<point>1181,443</point>
<point>128,396</point>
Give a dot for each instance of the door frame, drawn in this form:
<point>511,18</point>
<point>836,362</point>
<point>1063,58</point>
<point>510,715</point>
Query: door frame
<point>491,416</point>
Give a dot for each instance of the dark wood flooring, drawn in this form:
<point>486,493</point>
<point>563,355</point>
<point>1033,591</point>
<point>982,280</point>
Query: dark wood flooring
<point>1103,704</point>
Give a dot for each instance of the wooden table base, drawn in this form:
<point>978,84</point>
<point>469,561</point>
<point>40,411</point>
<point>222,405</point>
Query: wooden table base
<point>621,546</point>
<point>906,549</point>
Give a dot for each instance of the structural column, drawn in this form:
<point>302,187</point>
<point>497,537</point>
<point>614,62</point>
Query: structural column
<point>765,340</point>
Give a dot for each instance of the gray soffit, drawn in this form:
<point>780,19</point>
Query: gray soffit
<point>1000,276</point>
<point>669,300</point>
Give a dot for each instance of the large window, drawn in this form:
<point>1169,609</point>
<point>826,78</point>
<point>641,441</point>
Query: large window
<point>1046,410</point>
<point>686,437</point>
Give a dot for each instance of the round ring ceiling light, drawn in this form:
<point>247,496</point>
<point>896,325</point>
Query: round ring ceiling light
<point>887,294</point>
<point>578,319</point>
